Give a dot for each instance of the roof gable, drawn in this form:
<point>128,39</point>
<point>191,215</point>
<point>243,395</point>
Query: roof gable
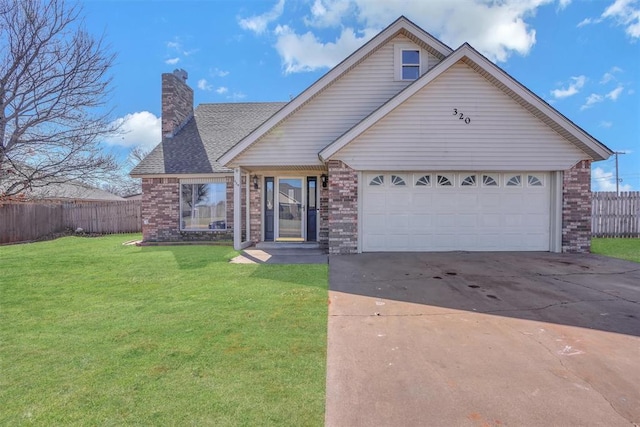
<point>401,26</point>
<point>531,102</point>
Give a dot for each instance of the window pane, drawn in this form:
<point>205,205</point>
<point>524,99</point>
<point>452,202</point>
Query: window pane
<point>203,206</point>
<point>410,57</point>
<point>410,72</point>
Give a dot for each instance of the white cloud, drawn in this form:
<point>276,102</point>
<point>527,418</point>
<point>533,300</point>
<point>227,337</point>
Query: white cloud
<point>564,3</point>
<point>586,21</point>
<point>307,53</point>
<point>606,124</point>
<point>172,61</point>
<point>137,129</point>
<point>216,72</point>
<point>258,23</point>
<point>222,90</point>
<point>594,98</point>
<point>606,181</point>
<point>203,84</point>
<point>573,88</point>
<point>328,13</point>
<point>625,13</point>
<point>175,45</point>
<point>610,75</point>
<point>614,94</point>
<point>498,29</point>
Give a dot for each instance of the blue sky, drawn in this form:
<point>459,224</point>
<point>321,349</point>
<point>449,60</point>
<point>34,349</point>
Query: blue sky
<point>583,57</point>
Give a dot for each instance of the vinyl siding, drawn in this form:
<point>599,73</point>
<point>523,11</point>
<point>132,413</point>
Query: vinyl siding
<point>424,134</point>
<point>299,138</point>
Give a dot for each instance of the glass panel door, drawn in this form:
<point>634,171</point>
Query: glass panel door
<point>290,209</point>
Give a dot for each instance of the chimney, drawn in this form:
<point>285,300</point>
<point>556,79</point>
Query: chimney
<point>177,102</point>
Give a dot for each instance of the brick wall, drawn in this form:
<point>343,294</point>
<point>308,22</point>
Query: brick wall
<point>576,208</point>
<point>161,214</point>
<point>343,208</point>
<point>177,101</point>
<point>323,230</point>
<point>255,211</point>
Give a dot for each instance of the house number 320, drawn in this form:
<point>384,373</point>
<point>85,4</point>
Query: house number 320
<point>461,116</point>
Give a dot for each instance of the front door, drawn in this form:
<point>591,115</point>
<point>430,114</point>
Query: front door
<point>291,209</point>
<point>269,206</point>
<point>312,208</point>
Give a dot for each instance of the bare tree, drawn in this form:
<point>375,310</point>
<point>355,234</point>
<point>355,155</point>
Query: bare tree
<point>120,182</point>
<point>53,90</point>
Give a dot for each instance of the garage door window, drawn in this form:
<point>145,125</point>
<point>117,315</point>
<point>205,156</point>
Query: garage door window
<point>489,181</point>
<point>514,181</point>
<point>377,180</point>
<point>397,180</point>
<point>534,181</point>
<point>444,181</point>
<point>468,181</point>
<point>423,181</point>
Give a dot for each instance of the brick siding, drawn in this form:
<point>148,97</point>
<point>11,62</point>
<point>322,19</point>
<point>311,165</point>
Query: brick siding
<point>342,208</point>
<point>576,208</point>
<point>161,214</point>
<point>177,102</point>
<point>323,228</point>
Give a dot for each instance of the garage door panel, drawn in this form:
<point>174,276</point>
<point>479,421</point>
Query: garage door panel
<point>439,218</point>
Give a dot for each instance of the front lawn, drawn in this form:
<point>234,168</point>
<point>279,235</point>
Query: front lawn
<point>97,333</point>
<point>628,249</point>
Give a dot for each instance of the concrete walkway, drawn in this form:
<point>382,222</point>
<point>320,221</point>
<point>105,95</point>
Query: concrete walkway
<point>281,256</point>
<point>491,339</point>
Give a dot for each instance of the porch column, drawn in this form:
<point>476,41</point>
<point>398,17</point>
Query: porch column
<point>237,209</point>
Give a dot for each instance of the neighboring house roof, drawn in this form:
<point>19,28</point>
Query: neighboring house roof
<point>213,130</point>
<point>531,102</point>
<point>401,26</point>
<point>71,191</point>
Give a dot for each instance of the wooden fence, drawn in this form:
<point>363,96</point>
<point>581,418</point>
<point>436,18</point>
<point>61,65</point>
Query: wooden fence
<point>615,216</point>
<point>23,222</point>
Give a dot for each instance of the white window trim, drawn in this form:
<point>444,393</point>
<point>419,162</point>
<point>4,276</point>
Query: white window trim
<point>191,181</point>
<point>397,60</point>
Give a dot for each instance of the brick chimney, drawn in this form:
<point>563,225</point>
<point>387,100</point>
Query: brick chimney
<point>177,102</point>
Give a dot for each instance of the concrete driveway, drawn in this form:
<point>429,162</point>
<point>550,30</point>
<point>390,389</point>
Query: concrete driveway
<point>483,339</point>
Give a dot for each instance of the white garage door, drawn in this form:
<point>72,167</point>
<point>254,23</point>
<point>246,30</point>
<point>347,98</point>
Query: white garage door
<point>470,211</point>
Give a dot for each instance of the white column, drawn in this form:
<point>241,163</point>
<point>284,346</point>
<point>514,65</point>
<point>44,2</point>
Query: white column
<point>247,213</point>
<point>237,209</point>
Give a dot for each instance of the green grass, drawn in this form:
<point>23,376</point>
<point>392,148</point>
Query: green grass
<point>97,333</point>
<point>628,249</point>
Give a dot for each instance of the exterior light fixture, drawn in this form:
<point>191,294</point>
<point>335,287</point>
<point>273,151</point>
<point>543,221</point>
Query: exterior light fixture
<point>255,182</point>
<point>324,179</point>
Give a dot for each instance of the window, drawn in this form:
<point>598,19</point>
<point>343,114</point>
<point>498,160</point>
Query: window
<point>443,181</point>
<point>397,180</point>
<point>489,181</point>
<point>514,181</point>
<point>469,181</point>
<point>203,206</point>
<point>377,180</point>
<point>410,64</point>
<point>424,181</point>
<point>534,181</point>
<point>408,61</point>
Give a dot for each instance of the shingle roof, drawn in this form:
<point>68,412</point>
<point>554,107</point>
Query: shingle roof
<point>71,191</point>
<point>213,130</point>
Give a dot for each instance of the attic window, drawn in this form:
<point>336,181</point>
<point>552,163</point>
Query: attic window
<point>408,61</point>
<point>410,64</point>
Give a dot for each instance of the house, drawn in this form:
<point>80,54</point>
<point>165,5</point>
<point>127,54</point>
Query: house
<point>406,145</point>
<point>71,191</point>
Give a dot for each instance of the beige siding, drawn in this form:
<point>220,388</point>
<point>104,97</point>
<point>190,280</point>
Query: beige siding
<point>424,134</point>
<point>298,139</point>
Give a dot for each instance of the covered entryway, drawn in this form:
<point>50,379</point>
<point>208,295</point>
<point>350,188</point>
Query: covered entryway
<point>290,209</point>
<point>445,211</point>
